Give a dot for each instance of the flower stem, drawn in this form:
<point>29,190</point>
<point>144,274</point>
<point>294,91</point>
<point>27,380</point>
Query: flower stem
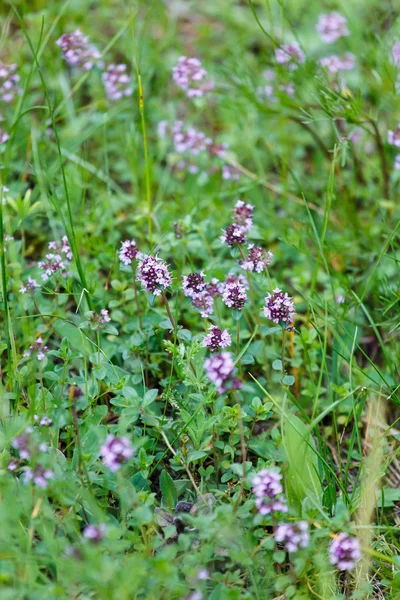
<point>171,318</point>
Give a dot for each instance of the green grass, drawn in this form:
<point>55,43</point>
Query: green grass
<point>319,404</point>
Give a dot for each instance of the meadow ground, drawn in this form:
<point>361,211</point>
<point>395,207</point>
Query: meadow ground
<point>199,252</point>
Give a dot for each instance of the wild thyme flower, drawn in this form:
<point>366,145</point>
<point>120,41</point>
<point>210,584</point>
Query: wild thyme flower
<point>243,215</point>
<point>117,83</point>
<point>54,263</point>
<point>153,274</point>
<point>9,83</point>
<point>231,173</point>
<point>397,162</point>
<point>95,533</point>
<point>290,55</point>
<point>215,287</point>
<point>216,338</point>
<point>188,139</point>
<point>45,421</point>
<point>394,137</point>
<point>234,295</point>
<point>77,51</point>
<point>257,259</point>
<point>128,252</point>
<point>220,370</point>
<point>344,551</point>
<point>268,490</point>
<point>116,451</point>
<point>39,475</point>
<point>293,535</point>
<point>236,278</point>
<point>331,27</point>
<point>12,465</point>
<point>193,284</point>
<point>233,236</point>
<point>98,320</point>
<point>335,63</point>
<point>4,137</point>
<point>204,303</point>
<point>23,444</point>
<point>62,247</point>
<point>31,284</point>
<point>191,77</point>
<point>38,347</point>
<point>279,308</point>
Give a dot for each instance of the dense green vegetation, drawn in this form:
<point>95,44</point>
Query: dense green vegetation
<point>199,391</point>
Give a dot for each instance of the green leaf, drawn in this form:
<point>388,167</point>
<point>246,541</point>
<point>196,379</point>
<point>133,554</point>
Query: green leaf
<point>168,489</point>
<point>288,380</point>
<point>236,314</point>
<point>302,480</point>
<point>277,365</point>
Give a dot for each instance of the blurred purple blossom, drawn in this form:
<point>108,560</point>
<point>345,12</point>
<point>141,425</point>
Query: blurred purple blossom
<point>191,77</point>
<point>116,451</point>
<point>332,26</point>
<point>293,535</point>
<point>268,490</point>
<point>117,82</point>
<point>77,51</point>
<point>216,338</point>
<point>344,551</point>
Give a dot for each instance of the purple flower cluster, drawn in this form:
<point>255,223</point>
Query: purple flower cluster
<point>188,139</point>
<point>9,83</point>
<point>216,338</point>
<point>194,285</point>
<point>44,421</point>
<point>38,347</point>
<point>117,82</point>
<point>230,173</point>
<point>128,252</point>
<point>116,451</point>
<point>279,308</point>
<point>331,27</point>
<point>243,215</point>
<point>153,274</point>
<point>29,446</point>
<point>220,370</point>
<point>23,443</point>
<point>191,77</point>
<point>98,320</point>
<point>39,475</point>
<point>204,303</point>
<point>269,492</point>
<point>394,137</point>
<point>334,63</point>
<point>233,278</point>
<point>234,235</point>
<point>290,55</point>
<point>31,284</point>
<point>344,551</point>
<point>234,295</point>
<point>4,137</point>
<point>293,535</point>
<point>77,51</point>
<point>95,533</point>
<point>58,260</point>
<point>257,259</point>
